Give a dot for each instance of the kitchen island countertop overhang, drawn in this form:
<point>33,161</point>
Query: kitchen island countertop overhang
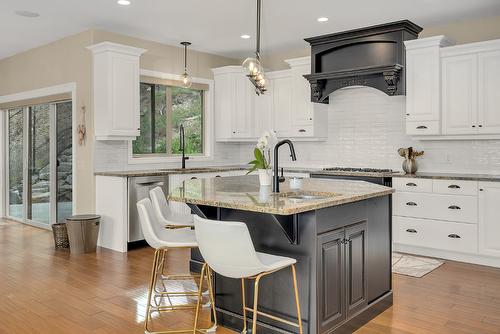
<point>244,193</point>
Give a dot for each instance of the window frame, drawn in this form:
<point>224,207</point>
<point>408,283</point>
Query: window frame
<point>207,120</point>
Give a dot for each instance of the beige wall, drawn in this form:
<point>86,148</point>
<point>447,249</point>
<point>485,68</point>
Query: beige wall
<point>466,31</point>
<point>68,60</point>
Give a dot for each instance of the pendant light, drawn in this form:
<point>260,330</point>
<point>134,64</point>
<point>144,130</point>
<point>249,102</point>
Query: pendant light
<point>252,65</point>
<point>186,78</point>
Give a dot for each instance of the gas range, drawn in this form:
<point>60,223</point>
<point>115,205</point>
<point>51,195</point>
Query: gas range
<point>382,176</point>
<point>359,170</point>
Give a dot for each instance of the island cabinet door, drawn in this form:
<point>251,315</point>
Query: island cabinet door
<point>356,282</point>
<point>331,280</point>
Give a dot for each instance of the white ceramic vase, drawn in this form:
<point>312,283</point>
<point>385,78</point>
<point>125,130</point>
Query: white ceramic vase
<point>265,177</point>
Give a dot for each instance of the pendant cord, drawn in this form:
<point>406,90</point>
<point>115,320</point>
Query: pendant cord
<point>185,58</point>
<point>257,46</point>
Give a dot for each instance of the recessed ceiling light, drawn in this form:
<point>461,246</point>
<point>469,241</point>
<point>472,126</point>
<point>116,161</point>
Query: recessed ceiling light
<point>245,36</point>
<point>26,13</point>
<point>322,19</point>
<point>123,2</point>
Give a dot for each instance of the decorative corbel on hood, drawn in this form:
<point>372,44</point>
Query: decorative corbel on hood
<point>373,56</point>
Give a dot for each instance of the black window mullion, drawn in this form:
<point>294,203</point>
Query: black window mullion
<point>152,118</point>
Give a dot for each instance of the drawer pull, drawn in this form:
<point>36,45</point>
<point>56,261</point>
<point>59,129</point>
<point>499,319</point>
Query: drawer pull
<point>411,184</point>
<point>454,236</point>
<point>302,130</point>
<point>454,207</point>
<point>453,186</point>
<point>194,178</point>
<point>217,176</point>
<point>421,127</point>
<point>411,204</point>
<point>411,230</point>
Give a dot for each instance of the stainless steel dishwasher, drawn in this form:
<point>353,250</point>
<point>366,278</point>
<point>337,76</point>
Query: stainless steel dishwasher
<point>138,188</point>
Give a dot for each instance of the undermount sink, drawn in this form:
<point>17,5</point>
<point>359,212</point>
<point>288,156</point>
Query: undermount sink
<point>305,196</point>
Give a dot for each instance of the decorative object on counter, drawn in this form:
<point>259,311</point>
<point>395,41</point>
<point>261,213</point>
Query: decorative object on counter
<point>186,78</point>
<point>261,163</point>
<point>81,129</point>
<point>410,164</point>
<point>295,183</point>
<point>252,65</point>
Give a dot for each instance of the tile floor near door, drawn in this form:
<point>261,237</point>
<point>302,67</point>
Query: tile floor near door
<point>44,291</point>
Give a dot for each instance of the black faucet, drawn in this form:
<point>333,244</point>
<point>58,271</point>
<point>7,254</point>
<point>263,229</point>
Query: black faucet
<point>182,145</point>
<point>276,178</point>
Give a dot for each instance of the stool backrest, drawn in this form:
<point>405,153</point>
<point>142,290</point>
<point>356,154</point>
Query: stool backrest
<point>150,228</point>
<point>160,205</point>
<point>227,247</point>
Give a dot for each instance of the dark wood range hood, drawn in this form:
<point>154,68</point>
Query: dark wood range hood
<point>372,56</point>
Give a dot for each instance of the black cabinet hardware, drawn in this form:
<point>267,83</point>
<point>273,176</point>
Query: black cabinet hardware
<point>407,114</point>
<point>217,175</point>
<point>481,189</point>
<point>411,204</point>
<point>454,207</point>
<point>310,118</point>
<point>480,125</point>
<point>473,126</point>
<point>411,184</point>
<point>302,130</point>
<point>411,230</point>
<point>453,236</point>
<point>421,127</point>
<point>194,178</point>
<point>453,186</point>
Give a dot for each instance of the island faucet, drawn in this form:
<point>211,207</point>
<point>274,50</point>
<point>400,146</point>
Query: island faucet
<point>182,146</point>
<point>276,178</point>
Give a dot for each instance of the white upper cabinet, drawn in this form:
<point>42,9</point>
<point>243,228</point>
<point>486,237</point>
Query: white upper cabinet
<point>234,104</point>
<point>488,92</point>
<point>452,91</point>
<point>423,78</point>
<point>459,89</point>
<point>285,107</point>
<point>116,72</point>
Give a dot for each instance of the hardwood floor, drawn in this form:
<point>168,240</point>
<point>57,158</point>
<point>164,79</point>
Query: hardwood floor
<point>48,291</point>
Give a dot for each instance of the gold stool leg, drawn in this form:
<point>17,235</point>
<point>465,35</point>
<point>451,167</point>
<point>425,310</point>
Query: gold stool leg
<point>198,302</point>
<point>255,302</point>
<point>152,285</point>
<point>297,302</point>
<point>211,293</point>
<point>244,306</point>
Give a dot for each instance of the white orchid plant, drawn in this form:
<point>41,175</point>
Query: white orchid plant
<point>262,152</point>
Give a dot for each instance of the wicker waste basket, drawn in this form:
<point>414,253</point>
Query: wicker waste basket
<point>60,235</point>
<point>83,231</point>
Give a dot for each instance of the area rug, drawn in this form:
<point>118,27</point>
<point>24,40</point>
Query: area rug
<point>414,266</point>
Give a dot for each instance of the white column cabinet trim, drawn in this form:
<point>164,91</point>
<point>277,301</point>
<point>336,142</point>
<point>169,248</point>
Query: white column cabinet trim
<point>489,219</point>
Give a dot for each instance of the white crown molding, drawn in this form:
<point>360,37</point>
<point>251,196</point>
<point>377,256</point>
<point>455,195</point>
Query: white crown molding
<point>115,47</point>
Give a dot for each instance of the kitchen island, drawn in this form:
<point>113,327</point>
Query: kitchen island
<point>339,231</point>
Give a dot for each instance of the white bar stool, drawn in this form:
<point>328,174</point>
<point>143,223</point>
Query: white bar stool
<point>163,213</point>
<point>228,249</point>
<point>162,240</point>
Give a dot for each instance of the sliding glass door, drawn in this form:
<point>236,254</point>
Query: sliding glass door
<point>40,163</point>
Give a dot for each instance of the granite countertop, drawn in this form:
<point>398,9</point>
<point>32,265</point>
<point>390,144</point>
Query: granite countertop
<point>451,176</point>
<point>244,193</point>
<point>168,171</point>
<point>354,173</point>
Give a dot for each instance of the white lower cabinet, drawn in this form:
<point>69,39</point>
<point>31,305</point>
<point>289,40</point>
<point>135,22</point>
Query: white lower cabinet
<point>489,218</point>
<point>451,219</point>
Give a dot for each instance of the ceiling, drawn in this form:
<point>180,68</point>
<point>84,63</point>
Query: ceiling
<point>215,26</point>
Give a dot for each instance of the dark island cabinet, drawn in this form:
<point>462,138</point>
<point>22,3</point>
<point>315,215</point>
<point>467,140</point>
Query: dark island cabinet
<point>342,283</point>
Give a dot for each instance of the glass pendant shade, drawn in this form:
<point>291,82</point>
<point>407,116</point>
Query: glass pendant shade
<point>253,66</point>
<point>186,80</point>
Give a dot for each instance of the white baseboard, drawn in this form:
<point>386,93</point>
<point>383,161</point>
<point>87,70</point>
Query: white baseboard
<point>448,255</point>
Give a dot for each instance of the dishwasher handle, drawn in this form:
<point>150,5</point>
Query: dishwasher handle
<point>148,184</point>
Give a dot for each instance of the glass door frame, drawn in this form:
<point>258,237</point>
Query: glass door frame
<point>26,169</point>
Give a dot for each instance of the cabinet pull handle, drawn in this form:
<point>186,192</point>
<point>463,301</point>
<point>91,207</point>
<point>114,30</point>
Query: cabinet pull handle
<point>411,204</point>
<point>421,127</point>
<point>453,186</point>
<point>411,230</point>
<point>454,236</point>
<point>480,125</point>
<point>481,189</point>
<point>411,184</point>
<point>454,207</point>
<point>302,130</point>
<point>473,126</point>
<point>217,176</point>
<point>194,178</point>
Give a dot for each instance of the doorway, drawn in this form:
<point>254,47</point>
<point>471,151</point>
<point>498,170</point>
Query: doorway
<point>40,163</point>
